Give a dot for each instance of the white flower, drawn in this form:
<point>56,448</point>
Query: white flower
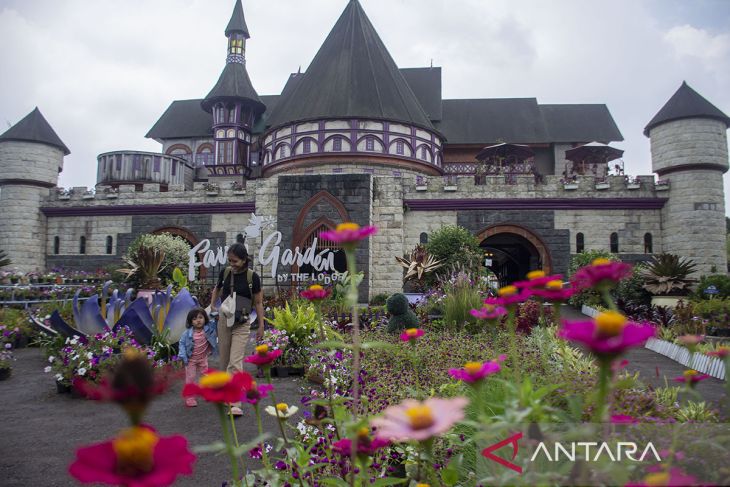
<point>51,359</point>
<point>59,377</point>
<point>282,410</point>
<point>47,369</point>
<point>81,371</point>
<point>89,355</point>
<point>75,356</point>
<point>8,346</point>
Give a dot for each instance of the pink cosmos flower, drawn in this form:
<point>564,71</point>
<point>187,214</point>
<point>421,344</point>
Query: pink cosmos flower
<point>555,291</point>
<point>366,445</point>
<point>721,352</point>
<point>411,334</point>
<point>674,478</point>
<point>138,457</point>
<point>476,371</point>
<point>608,335</point>
<point>256,393</point>
<point>489,312</point>
<point>315,292</point>
<point>537,279</point>
<point>348,233</point>
<point>263,357</point>
<point>691,377</point>
<point>623,419</point>
<point>509,296</point>
<point>415,420</point>
<point>601,272</point>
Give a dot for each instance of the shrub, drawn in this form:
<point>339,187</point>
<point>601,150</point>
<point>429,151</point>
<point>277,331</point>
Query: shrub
<point>401,315</point>
<point>462,296</point>
<point>588,297</point>
<point>720,281</point>
<point>379,299</point>
<point>631,292</point>
<point>456,248</point>
<point>668,275</point>
<point>175,248</point>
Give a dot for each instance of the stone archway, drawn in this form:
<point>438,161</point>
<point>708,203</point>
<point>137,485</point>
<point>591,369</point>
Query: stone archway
<point>515,250</point>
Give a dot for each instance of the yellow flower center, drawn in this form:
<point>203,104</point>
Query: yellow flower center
<point>262,349</point>
<point>507,291</point>
<point>315,287</point>
<point>131,353</point>
<point>600,261</point>
<point>412,332</point>
<point>657,479</point>
<point>473,367</point>
<point>282,407</point>
<point>215,380</point>
<point>343,227</point>
<point>423,485</point>
<point>535,274</point>
<point>134,449</point>
<point>554,285</point>
<point>420,417</point>
<point>363,433</point>
<point>690,373</point>
<point>610,323</point>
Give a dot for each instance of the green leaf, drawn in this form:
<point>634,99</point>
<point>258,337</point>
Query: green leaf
<point>331,344</point>
<point>381,345</point>
<point>216,447</point>
<point>245,448</point>
<point>450,476</point>
<point>388,481</point>
<point>334,481</point>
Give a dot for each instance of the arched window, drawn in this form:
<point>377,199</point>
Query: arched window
<point>648,244</point>
<point>424,238</point>
<point>370,143</point>
<point>56,245</point>
<point>580,243</point>
<point>109,244</point>
<point>82,245</point>
<point>614,243</point>
<point>399,148</point>
<point>337,144</point>
<point>307,146</point>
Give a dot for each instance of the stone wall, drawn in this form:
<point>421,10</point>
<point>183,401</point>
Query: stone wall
<point>29,160</point>
<point>386,276</point>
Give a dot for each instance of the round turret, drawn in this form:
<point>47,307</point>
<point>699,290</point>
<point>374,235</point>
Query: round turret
<point>689,150</point>
<point>31,156</point>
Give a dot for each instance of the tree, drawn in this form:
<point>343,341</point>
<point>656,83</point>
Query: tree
<point>456,248</point>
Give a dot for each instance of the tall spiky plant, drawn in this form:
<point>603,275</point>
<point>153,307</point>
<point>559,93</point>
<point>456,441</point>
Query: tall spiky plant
<point>419,263</point>
<point>668,274</point>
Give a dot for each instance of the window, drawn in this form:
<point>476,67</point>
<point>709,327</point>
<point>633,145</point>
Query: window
<point>56,245</point>
<point>337,144</point>
<point>423,238</point>
<point>282,152</point>
<point>424,153</point>
<point>580,244</point>
<point>82,245</point>
<point>398,148</point>
<point>229,153</point>
<point>109,244</point>
<point>614,243</point>
<point>156,166</point>
<point>648,244</point>
<point>307,146</point>
<point>370,143</point>
<point>232,118</point>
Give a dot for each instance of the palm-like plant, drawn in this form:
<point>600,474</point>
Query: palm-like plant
<point>145,265</point>
<point>4,259</point>
<point>419,263</point>
<point>668,274</point>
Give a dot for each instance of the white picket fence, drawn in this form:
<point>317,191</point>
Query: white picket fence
<point>700,362</point>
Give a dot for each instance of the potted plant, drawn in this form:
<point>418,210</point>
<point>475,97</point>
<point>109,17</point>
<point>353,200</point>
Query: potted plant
<point>450,183</point>
<point>64,194</point>
<point>238,188</point>
<point>421,183</point>
<point>570,183</point>
<point>632,182</point>
<point>145,265</point>
<point>602,183</point>
<point>666,278</point>
<point>6,363</point>
<point>88,195</point>
<point>661,185</point>
<point>211,189</point>
<point>111,193</point>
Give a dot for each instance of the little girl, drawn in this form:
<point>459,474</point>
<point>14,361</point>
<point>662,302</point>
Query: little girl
<point>196,344</point>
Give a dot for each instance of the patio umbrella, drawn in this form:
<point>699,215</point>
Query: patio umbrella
<point>594,152</point>
<point>518,151</point>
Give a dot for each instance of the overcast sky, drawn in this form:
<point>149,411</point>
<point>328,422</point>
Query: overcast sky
<point>102,71</point>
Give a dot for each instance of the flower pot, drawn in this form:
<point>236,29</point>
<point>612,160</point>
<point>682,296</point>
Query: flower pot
<point>62,387</point>
<point>297,371</point>
<point>5,373</point>
<point>422,188</point>
<point>633,186</point>
<point>211,193</point>
<point>661,187</point>
<point>315,377</point>
<point>20,341</point>
<point>716,331</point>
<point>280,371</point>
<point>602,186</point>
<point>570,186</point>
<point>239,192</point>
<point>667,301</point>
<point>450,188</point>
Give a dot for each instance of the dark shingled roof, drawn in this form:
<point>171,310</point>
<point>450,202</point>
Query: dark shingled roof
<point>426,85</point>
<point>233,84</point>
<point>34,128</point>
<point>182,119</point>
<point>492,120</point>
<point>686,103</point>
<point>237,22</point>
<point>580,123</point>
<point>352,75</point>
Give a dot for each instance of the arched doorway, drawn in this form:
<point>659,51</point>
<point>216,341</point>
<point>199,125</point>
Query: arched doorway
<point>511,251</point>
<point>310,233</point>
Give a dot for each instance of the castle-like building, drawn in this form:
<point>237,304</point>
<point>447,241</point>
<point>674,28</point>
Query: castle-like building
<point>355,138</point>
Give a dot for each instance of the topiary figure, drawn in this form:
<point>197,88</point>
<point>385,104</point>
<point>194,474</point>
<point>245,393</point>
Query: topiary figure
<point>401,315</point>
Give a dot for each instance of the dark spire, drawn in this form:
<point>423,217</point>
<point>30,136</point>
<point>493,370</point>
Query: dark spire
<point>352,75</point>
<point>35,128</point>
<point>237,22</point>
<point>686,103</point>
<point>233,84</point>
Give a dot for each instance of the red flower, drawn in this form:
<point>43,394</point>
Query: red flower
<point>219,386</point>
<point>691,377</point>
<point>609,335</point>
<point>601,272</point>
<point>263,357</point>
<point>348,233</point>
<point>411,334</point>
<point>138,457</point>
<point>315,293</point>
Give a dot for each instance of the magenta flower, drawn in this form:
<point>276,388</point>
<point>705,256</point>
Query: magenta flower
<point>623,419</point>
<point>366,445</point>
<point>489,312</point>
<point>601,272</point>
<point>476,371</point>
<point>262,356</point>
<point>537,279</point>
<point>256,393</point>
<point>315,292</point>
<point>508,296</point>
<point>411,334</point>
<point>722,352</point>
<point>691,377</point>
<point>673,478</point>
<point>348,233</point>
<point>608,335</point>
<point>555,291</point>
<point>415,420</point>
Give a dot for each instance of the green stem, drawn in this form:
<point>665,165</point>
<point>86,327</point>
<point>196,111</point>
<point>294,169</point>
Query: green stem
<point>264,456</point>
<point>273,400</point>
<point>351,268</point>
<point>604,378</point>
<point>606,293</point>
<point>229,445</point>
<point>512,326</point>
<point>235,436</point>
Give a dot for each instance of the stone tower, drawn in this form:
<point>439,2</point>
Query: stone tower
<point>31,156</point>
<point>689,148</point>
<point>233,101</point>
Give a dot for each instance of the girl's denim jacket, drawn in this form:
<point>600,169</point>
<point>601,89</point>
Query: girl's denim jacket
<point>186,341</point>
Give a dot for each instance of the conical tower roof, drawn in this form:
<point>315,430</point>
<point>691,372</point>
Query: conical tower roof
<point>686,103</point>
<point>352,75</point>
<point>233,84</point>
<point>238,21</point>
<point>34,128</point>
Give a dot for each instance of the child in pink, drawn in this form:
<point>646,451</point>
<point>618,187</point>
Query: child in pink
<point>196,344</point>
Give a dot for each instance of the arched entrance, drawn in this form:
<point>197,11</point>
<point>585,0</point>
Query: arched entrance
<point>513,251</point>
